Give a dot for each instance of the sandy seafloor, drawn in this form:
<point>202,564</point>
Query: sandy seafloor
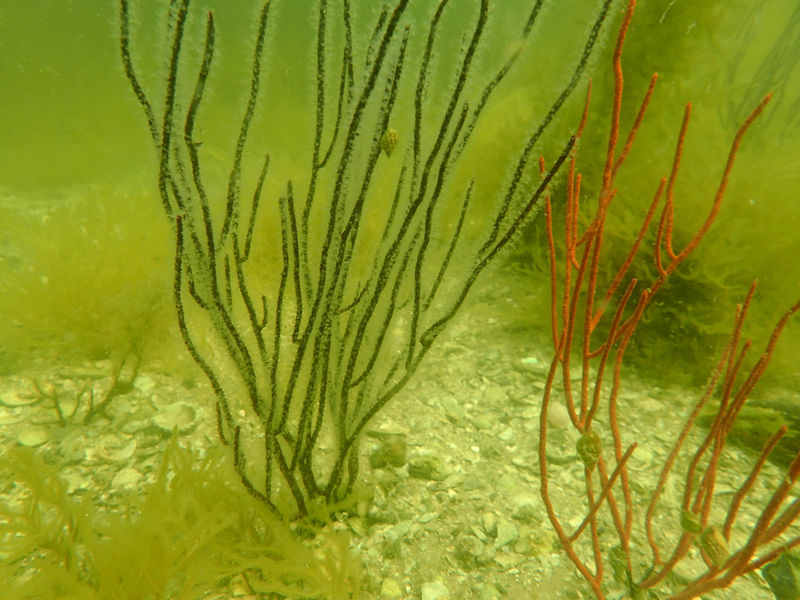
<point>476,526</point>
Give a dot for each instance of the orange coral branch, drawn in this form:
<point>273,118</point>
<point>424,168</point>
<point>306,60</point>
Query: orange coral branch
<point>580,289</point>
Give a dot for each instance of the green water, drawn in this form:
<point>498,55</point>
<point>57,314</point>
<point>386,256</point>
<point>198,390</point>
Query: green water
<point>86,252</point>
<point>73,134</point>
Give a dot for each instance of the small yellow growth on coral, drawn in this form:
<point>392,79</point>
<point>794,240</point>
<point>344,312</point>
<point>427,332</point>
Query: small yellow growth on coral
<point>389,141</point>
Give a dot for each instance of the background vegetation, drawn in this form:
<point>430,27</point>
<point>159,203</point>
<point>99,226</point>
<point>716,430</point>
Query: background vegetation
<point>83,248</point>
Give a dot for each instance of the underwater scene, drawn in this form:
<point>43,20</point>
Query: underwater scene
<point>399,299</point>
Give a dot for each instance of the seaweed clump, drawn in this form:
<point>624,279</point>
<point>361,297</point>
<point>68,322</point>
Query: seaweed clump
<point>190,532</point>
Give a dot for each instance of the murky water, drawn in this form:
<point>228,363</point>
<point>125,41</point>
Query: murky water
<point>87,253</point>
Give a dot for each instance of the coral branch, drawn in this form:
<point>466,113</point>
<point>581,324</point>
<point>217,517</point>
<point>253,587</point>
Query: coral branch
<point>572,339</point>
